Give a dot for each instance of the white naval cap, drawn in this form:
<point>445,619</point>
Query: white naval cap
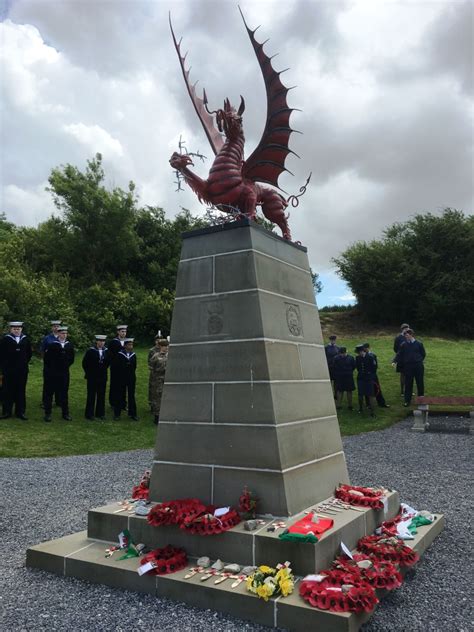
<point>55,322</point>
<point>15,323</point>
<point>62,328</point>
<point>100,337</point>
<point>122,327</point>
<point>129,340</point>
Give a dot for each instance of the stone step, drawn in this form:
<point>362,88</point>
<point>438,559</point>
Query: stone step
<point>246,547</point>
<point>83,558</point>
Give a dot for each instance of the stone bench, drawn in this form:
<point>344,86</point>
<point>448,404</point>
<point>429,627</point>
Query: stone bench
<point>421,414</point>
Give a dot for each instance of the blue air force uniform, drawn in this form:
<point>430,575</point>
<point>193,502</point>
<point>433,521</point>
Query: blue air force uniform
<point>15,355</point>
<point>331,350</point>
<point>344,366</point>
<point>366,371</point>
<point>95,364</point>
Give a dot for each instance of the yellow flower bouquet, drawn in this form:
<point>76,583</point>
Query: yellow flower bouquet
<point>269,582</point>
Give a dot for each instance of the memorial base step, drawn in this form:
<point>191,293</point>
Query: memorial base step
<point>81,557</point>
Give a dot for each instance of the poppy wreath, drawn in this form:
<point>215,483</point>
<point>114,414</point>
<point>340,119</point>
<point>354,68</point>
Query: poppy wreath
<point>360,496</point>
<point>378,573</point>
<point>388,548</point>
<point>142,490</point>
<point>193,516</point>
<point>247,504</point>
<point>339,591</point>
<point>166,560</point>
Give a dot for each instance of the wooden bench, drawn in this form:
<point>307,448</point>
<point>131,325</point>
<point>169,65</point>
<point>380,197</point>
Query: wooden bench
<point>421,414</point>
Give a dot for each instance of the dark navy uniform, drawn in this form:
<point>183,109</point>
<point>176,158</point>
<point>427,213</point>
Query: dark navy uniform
<point>411,355</point>
<point>95,364</point>
<point>115,400</point>
<point>125,366</point>
<point>344,366</point>
<point>366,370</point>
<point>378,389</point>
<point>58,357</point>
<point>43,346</point>
<point>331,350</point>
<point>15,354</point>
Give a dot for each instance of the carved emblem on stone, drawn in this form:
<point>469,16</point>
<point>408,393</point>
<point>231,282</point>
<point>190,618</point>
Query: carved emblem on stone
<point>293,319</point>
<point>215,321</point>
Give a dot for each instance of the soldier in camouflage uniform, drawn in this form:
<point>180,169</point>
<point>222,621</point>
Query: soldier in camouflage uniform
<point>157,359</point>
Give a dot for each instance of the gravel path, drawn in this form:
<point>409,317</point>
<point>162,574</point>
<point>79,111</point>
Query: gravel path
<point>49,498</point>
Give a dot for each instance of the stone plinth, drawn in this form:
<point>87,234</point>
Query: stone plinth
<point>247,398</point>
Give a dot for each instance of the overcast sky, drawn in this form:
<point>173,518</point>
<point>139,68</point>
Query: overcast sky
<point>385,90</point>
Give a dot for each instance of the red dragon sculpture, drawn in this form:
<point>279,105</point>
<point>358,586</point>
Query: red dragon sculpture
<point>234,183</point>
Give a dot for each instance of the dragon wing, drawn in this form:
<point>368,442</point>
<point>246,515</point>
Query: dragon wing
<point>207,121</point>
<point>267,161</point>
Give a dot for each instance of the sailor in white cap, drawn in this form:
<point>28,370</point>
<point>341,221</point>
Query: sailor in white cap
<point>58,357</point>
<point>125,368</point>
<point>95,364</point>
<point>15,354</point>
<point>51,337</point>
<point>116,345</point>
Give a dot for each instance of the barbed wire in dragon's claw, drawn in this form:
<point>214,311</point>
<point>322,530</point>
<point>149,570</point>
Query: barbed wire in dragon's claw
<point>194,154</point>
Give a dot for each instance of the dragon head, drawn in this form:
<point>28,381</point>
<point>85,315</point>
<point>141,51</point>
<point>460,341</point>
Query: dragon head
<point>228,120</point>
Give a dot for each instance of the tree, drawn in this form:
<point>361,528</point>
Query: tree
<point>421,271</point>
<point>100,236</point>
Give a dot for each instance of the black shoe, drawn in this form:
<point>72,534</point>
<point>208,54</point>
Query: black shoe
<point>372,414</point>
<point>384,405</point>
<point>47,418</point>
<point>133,417</point>
<point>22,417</point>
<point>406,404</point>
<point>350,408</point>
<point>102,418</point>
<point>116,418</point>
<point>5,416</point>
<point>360,411</point>
<point>338,407</point>
<point>67,417</point>
<point>156,420</point>
<point>90,418</point>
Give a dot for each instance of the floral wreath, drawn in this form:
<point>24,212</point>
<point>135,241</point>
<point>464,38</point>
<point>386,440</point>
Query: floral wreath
<point>378,573</point>
<point>361,496</point>
<point>193,516</point>
<point>247,504</point>
<point>339,591</point>
<point>388,548</point>
<point>268,582</point>
<point>142,490</point>
<point>166,560</point>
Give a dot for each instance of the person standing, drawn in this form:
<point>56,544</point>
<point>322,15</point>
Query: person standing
<point>397,343</point>
<point>51,337</point>
<point>344,365</point>
<point>58,357</point>
<point>157,360</point>
<point>412,355</point>
<point>331,351</point>
<point>116,345</point>
<point>366,369</point>
<point>125,369</point>
<point>15,355</point>
<point>378,389</point>
<point>95,364</point>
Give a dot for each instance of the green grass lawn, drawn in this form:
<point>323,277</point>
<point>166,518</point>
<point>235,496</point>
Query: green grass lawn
<point>448,371</point>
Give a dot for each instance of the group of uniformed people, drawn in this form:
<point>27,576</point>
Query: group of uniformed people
<point>341,368</point>
<point>58,355</point>
<point>409,357</point>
